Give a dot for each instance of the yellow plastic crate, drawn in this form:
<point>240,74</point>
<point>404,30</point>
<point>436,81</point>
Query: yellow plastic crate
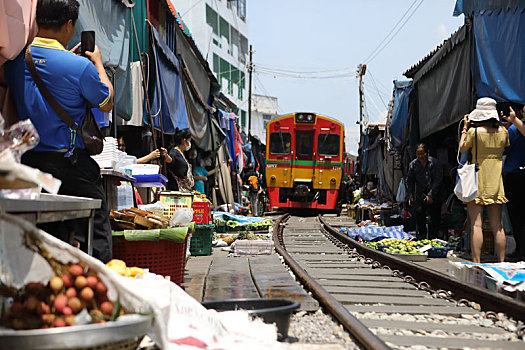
<point>176,200</point>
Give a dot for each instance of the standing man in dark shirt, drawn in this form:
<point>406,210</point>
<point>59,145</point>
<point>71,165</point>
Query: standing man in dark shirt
<point>423,189</point>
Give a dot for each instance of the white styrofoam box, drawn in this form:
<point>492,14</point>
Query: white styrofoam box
<point>144,169</point>
<point>253,247</point>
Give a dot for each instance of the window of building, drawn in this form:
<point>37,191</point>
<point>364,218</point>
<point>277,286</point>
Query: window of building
<point>241,9</point>
<point>224,28</point>
<point>280,143</point>
<point>242,86</point>
<point>212,18</point>
<point>235,38</point>
<point>216,68</point>
<point>243,49</point>
<point>234,78</point>
<point>224,73</point>
<point>267,117</point>
<point>328,144</point>
<point>243,119</point>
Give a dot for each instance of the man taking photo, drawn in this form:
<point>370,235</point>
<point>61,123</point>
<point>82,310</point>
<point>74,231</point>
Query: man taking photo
<point>74,81</point>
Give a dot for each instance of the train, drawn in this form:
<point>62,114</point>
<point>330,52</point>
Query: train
<point>305,161</point>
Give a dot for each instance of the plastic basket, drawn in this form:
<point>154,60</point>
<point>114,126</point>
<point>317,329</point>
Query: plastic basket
<point>438,252</point>
<point>165,258</point>
<point>175,200</point>
<point>201,240</point>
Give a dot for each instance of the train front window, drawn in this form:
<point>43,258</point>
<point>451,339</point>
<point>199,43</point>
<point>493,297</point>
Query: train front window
<point>304,144</point>
<point>328,144</point>
<point>280,143</point>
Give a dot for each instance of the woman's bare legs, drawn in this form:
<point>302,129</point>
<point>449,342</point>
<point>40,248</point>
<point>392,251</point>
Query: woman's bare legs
<point>494,214</point>
<point>475,213</point>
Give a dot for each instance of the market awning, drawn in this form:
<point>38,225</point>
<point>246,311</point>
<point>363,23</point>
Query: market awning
<point>110,21</point>
<point>166,89</point>
<point>468,7</point>
<point>499,55</point>
<point>402,90</point>
<point>444,85</point>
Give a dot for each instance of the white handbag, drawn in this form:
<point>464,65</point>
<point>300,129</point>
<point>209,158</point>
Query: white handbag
<point>467,186</point>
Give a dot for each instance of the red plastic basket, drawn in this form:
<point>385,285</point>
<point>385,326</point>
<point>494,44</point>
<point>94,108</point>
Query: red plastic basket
<point>164,258</point>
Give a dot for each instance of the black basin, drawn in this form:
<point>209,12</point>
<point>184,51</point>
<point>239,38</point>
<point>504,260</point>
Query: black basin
<point>276,311</point>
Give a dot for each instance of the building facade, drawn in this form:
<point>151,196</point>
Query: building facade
<point>264,109</point>
<point>220,29</point>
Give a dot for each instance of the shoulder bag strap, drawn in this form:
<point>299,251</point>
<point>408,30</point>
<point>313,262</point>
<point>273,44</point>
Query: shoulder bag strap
<point>476,142</point>
<point>59,110</point>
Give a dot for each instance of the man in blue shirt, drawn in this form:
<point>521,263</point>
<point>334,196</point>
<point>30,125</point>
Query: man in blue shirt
<point>514,182</point>
<point>74,81</point>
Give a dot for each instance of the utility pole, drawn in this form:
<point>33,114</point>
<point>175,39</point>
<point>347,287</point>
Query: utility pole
<point>250,70</point>
<point>361,70</point>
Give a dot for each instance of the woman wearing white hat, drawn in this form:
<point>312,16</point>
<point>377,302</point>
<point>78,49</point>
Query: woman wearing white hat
<point>484,134</point>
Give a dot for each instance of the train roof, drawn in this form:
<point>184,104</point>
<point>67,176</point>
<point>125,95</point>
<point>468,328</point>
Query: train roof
<point>288,115</point>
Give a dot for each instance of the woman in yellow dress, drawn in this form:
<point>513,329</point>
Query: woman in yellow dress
<point>483,124</point>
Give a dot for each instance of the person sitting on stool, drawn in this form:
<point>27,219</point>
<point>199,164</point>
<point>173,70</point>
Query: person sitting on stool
<point>423,189</point>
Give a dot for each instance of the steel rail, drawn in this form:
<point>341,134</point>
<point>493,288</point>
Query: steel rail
<point>363,335</point>
<point>488,300</point>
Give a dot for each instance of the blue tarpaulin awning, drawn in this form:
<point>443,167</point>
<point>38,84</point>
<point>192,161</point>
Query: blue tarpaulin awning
<point>499,55</point>
<point>402,90</point>
<point>469,7</point>
<point>166,89</point>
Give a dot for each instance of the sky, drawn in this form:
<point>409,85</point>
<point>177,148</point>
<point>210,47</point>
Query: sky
<point>331,38</point>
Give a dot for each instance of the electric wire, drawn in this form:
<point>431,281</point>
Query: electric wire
<point>394,35</point>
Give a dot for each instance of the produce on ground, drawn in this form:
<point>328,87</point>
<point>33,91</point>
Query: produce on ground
<point>403,246</point>
<point>71,291</point>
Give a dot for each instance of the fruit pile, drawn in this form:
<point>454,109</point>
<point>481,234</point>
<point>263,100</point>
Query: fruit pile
<point>402,246</point>
<point>120,267</point>
<point>59,303</point>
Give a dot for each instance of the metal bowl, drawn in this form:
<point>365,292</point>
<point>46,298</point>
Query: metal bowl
<point>81,336</point>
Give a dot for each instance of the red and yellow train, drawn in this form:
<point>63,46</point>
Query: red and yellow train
<point>304,161</point>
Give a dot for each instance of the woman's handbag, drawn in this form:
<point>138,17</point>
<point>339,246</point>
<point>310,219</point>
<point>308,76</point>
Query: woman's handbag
<point>90,132</point>
<point>467,186</point>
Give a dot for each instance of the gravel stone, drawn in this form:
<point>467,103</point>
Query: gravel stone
<point>318,328</point>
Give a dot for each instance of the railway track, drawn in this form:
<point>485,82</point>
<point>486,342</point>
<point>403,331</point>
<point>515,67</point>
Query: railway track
<point>385,302</point>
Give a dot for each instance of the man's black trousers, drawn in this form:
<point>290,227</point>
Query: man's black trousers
<point>83,180</point>
<point>515,192</point>
<point>421,208</point>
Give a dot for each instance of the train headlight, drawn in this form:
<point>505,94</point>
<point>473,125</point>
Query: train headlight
<point>300,117</point>
<point>332,180</point>
<point>272,178</point>
<point>310,117</point>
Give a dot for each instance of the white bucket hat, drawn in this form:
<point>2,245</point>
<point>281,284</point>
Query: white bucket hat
<point>485,110</point>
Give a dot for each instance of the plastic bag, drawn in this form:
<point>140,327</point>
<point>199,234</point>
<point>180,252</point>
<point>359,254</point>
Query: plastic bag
<point>181,217</point>
<point>19,138</point>
<point>401,191</point>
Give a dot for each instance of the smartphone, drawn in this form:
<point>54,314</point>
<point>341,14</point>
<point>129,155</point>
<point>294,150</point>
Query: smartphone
<point>87,42</point>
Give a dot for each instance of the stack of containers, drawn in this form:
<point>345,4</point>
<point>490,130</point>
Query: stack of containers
<point>110,155</point>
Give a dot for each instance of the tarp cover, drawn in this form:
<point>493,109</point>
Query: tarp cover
<point>444,85</point>
<point>467,7</point>
<point>499,56</point>
<point>402,90</point>
<point>376,233</point>
<point>194,63</point>
<point>112,38</point>
<point>171,98</point>
<point>110,21</point>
